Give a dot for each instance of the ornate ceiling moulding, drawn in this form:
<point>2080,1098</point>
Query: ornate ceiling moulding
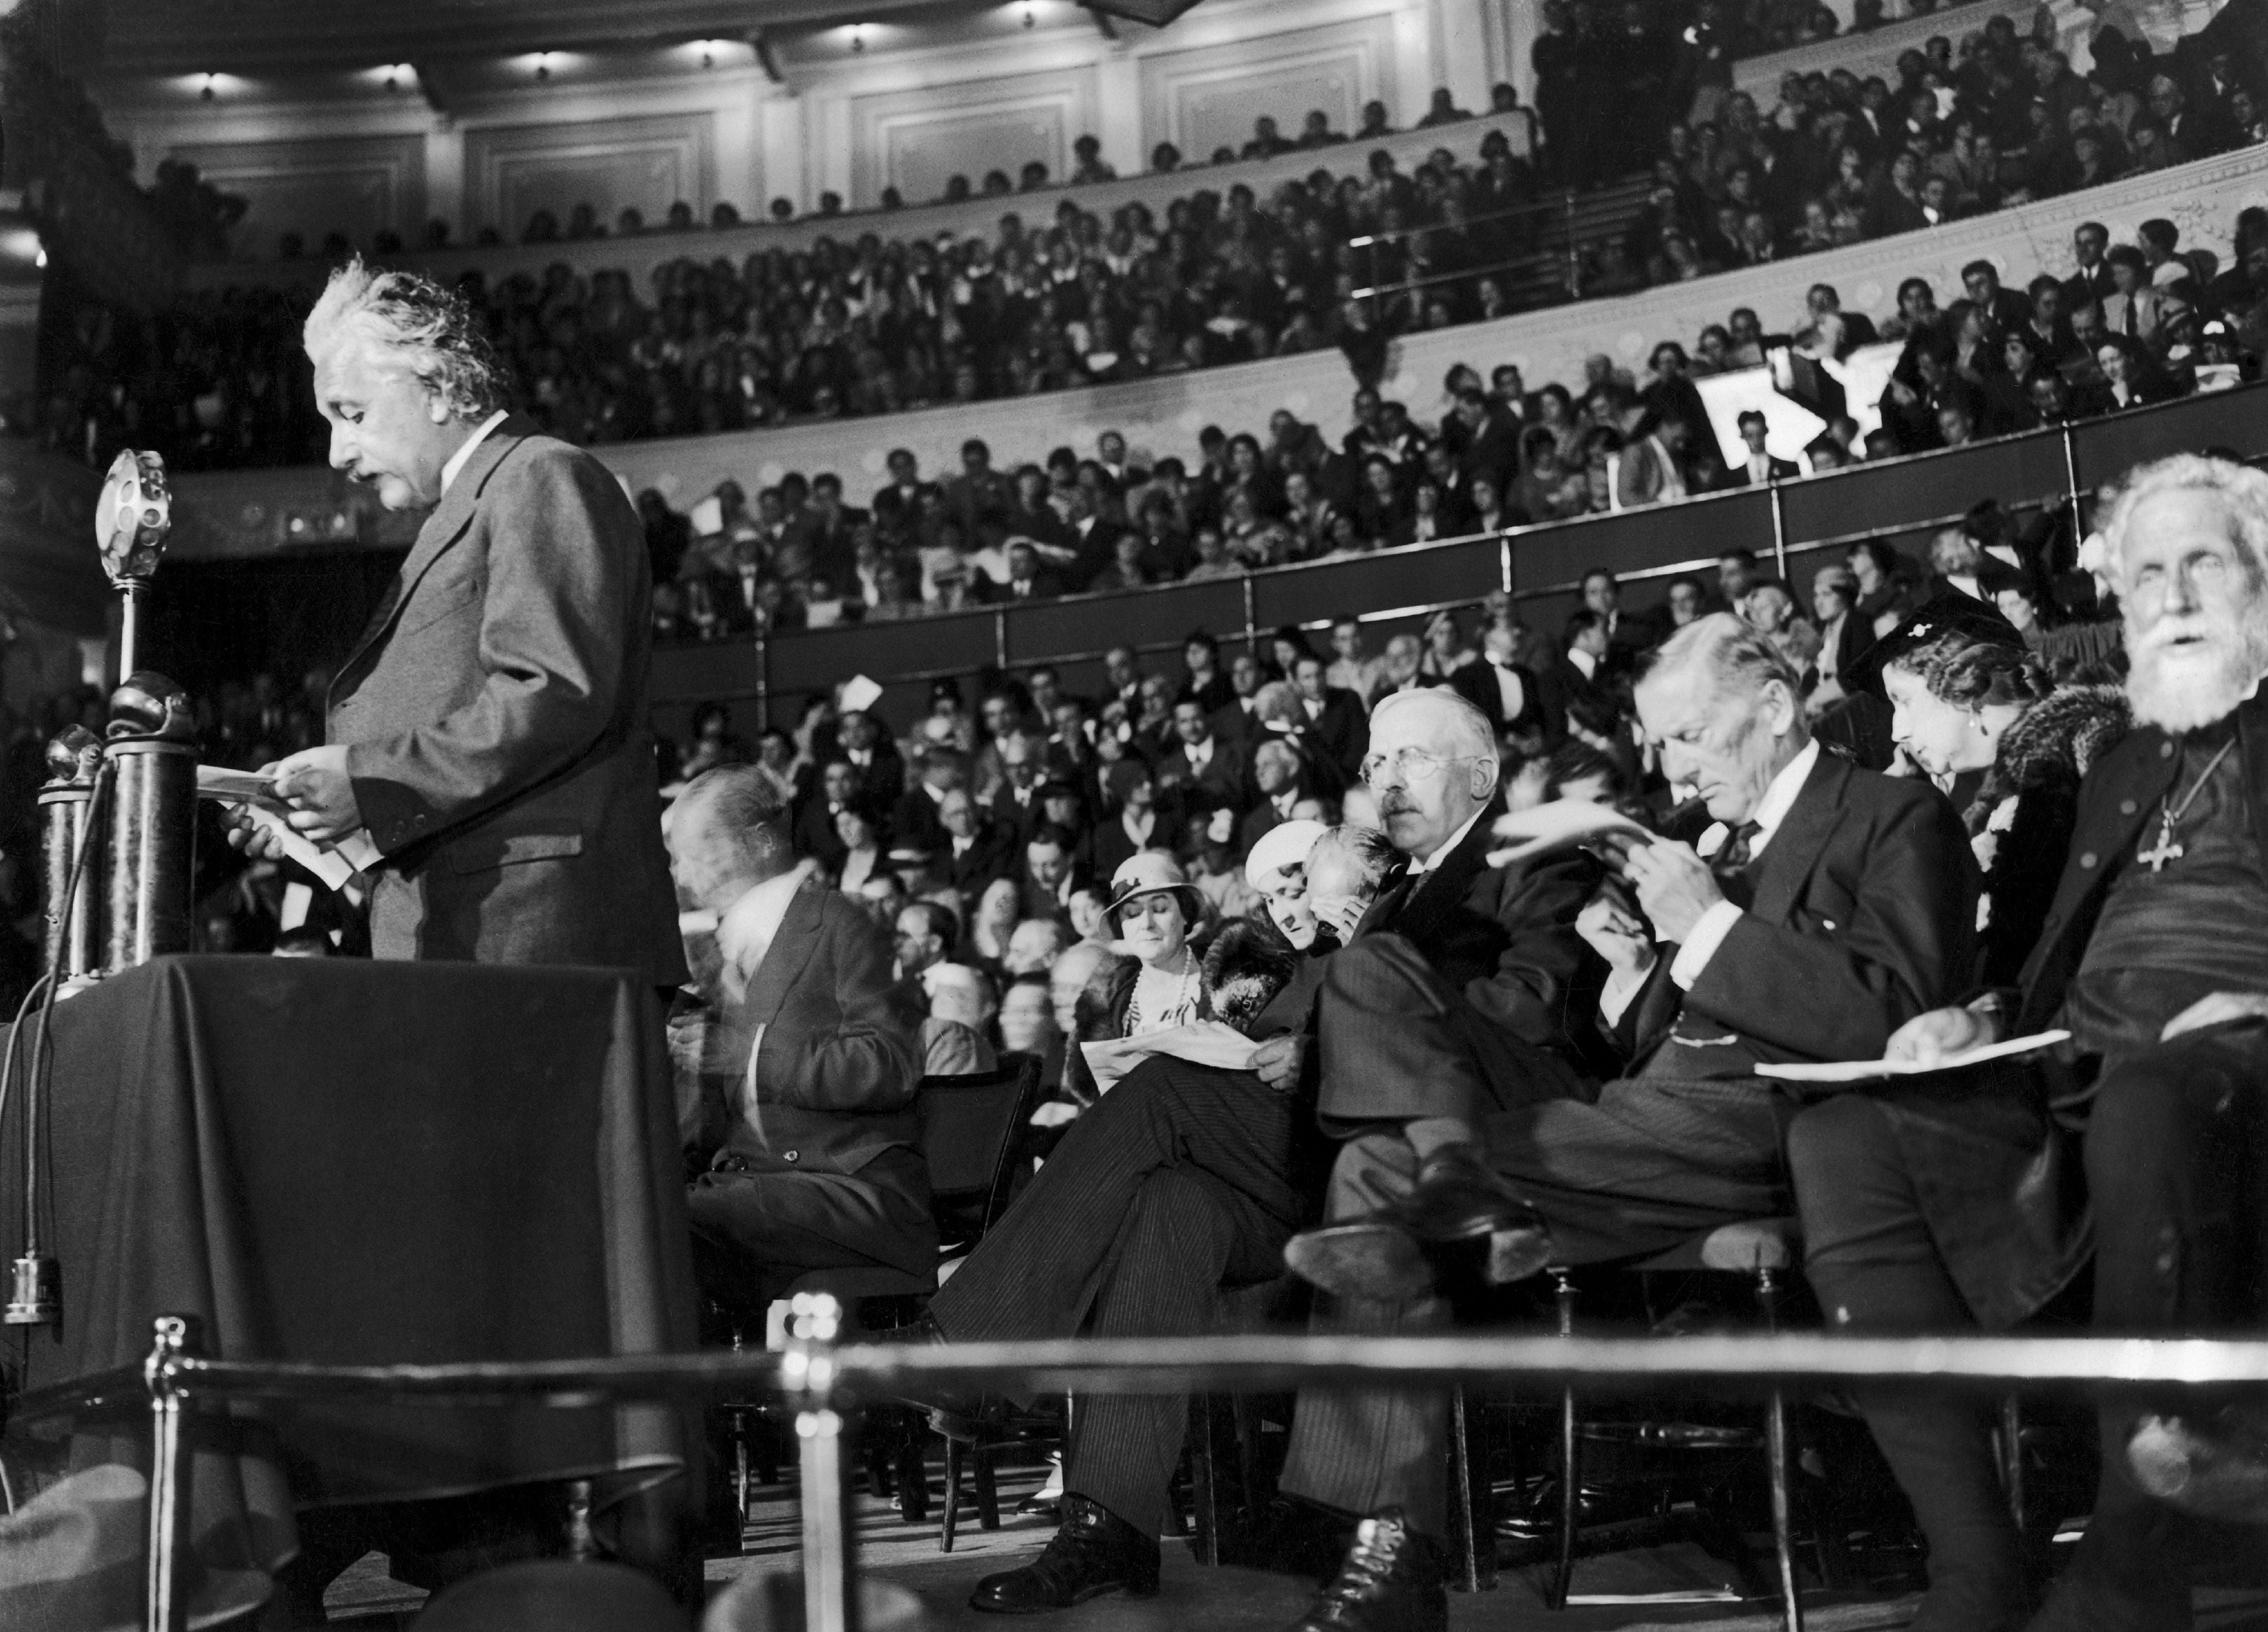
<point>282,36</point>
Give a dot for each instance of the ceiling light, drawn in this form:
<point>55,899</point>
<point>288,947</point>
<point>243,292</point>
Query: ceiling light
<point>206,90</point>
<point>543,64</point>
<point>857,40</point>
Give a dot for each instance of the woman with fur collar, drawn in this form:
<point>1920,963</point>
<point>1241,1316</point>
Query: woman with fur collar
<point>1961,702</point>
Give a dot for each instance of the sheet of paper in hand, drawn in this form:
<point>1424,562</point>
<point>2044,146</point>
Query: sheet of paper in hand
<point>237,787</point>
<point>1876,1070</point>
<point>1202,1043</point>
<point>1563,824</point>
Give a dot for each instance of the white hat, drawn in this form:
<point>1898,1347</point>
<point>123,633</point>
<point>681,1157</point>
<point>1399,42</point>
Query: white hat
<point>1279,850</point>
<point>1146,873</point>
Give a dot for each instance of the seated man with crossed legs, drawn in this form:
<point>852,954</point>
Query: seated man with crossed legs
<point>1842,904</point>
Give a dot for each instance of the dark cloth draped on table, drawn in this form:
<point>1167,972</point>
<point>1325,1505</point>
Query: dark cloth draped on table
<point>366,1164</point>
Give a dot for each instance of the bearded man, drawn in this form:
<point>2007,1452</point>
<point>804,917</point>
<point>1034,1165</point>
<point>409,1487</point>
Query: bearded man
<point>2154,957</point>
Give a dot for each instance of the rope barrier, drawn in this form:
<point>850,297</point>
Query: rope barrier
<point>822,1378</point>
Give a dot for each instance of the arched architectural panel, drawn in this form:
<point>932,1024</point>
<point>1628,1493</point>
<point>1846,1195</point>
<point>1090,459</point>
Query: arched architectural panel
<point>357,185</point>
<point>514,170</point>
<point>1205,99</point>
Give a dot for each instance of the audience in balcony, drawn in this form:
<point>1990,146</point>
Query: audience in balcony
<point>874,326</point>
<point>1993,362</point>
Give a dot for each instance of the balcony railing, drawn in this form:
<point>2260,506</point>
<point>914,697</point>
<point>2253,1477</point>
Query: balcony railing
<point>1540,567</point>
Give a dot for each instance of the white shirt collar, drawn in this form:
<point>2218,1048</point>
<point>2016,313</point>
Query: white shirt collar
<point>1584,662</point>
<point>1458,837</point>
<point>1200,753</point>
<point>1773,809</point>
<point>457,460</point>
<point>750,925</point>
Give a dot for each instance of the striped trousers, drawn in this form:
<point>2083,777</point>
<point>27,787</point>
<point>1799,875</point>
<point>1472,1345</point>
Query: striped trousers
<point>1180,1182</point>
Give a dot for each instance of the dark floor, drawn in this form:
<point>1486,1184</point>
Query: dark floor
<point>1634,1590</point>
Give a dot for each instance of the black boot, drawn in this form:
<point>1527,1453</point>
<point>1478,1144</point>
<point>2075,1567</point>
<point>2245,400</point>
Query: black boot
<point>2127,1574</point>
<point>1093,1552</point>
<point>955,1412</point>
<point>1457,1198</point>
<point>1390,1582</point>
<point>2210,1462</point>
<point>1940,1448</point>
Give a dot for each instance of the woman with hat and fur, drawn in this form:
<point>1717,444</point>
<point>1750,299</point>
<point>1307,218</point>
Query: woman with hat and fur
<point>1963,701</point>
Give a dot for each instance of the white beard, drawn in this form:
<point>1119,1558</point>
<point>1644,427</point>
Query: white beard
<point>2181,690</point>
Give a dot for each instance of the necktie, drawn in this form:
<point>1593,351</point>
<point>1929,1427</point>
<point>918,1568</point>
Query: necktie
<point>2126,321</point>
<point>1739,845</point>
<point>1732,863</point>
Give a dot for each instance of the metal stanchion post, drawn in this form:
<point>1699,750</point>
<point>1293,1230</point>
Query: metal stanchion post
<point>165,1609</point>
<point>2071,481</point>
<point>1504,563</point>
<point>830,1588</point>
<point>763,680</point>
<point>1780,530</point>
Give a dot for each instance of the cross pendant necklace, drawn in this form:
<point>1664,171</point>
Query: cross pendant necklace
<point>2169,812</point>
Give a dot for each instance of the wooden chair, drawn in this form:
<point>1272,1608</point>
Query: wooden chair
<point>970,1129</point>
<point>1764,1252</point>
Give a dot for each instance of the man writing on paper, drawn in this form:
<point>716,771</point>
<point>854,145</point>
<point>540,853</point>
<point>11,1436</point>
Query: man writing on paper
<point>487,734</point>
<point>1840,905</point>
<point>2154,955</point>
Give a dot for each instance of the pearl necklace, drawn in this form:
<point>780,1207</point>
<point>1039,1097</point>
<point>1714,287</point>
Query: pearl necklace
<point>1184,989</point>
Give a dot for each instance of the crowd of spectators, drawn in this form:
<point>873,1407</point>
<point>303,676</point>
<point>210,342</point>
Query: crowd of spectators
<point>984,833</point>
<point>877,325</point>
<point>2137,324</point>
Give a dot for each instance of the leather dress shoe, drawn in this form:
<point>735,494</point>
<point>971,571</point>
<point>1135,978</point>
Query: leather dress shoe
<point>955,1412</point>
<point>1390,1581</point>
<point>1374,1258</point>
<point>1457,1198</point>
<point>1094,1551</point>
<point>2216,1467</point>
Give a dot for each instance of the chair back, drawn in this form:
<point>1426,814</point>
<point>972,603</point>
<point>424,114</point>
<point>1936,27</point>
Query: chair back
<point>970,1126</point>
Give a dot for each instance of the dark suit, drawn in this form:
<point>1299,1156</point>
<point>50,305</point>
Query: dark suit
<point>1738,475</point>
<point>1180,1183</point>
<point>1014,820</point>
<point>988,856</point>
<point>1222,778</point>
<point>1342,731</point>
<point>1562,685</point>
<point>914,821</point>
<point>1042,586</point>
<point>2089,285</point>
<point>1114,845</point>
<point>495,718</point>
<point>822,1167</point>
<point>2000,1220</point>
<point>2172,1135</point>
<point>1861,913</point>
<point>1477,684</point>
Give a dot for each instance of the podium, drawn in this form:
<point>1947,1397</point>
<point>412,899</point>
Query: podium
<point>365,1163</point>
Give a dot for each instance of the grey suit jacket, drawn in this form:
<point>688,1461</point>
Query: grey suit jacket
<point>495,718</point>
<point>840,1057</point>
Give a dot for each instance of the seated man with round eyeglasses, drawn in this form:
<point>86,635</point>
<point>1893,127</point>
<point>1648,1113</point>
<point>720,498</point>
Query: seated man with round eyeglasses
<point>1840,905</point>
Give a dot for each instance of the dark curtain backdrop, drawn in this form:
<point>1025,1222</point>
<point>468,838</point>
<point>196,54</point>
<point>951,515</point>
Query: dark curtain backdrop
<point>210,621</point>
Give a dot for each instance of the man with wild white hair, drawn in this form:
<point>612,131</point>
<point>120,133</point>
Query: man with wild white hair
<point>488,732</point>
<point>2156,958</point>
